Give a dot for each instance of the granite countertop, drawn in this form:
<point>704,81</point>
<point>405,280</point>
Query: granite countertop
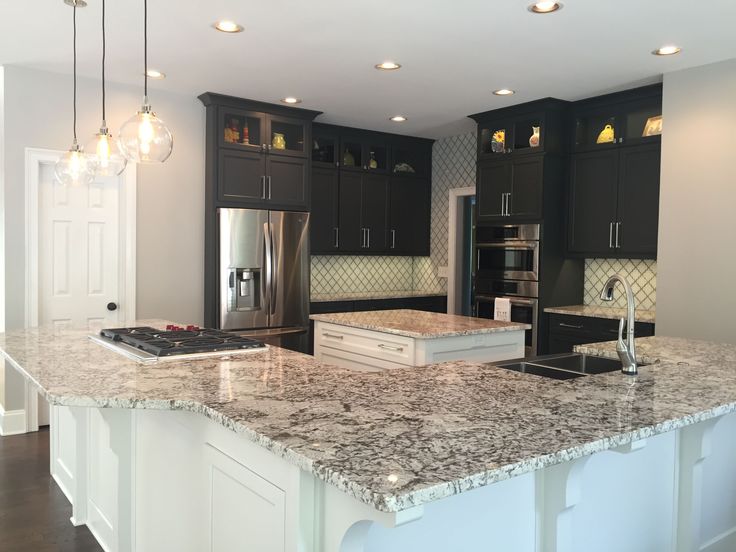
<point>368,295</point>
<point>418,324</point>
<point>595,311</point>
<point>402,437</point>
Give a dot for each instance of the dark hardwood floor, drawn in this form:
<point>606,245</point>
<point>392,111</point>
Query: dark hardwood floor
<point>34,513</point>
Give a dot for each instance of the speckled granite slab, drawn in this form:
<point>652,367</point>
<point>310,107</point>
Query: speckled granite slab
<point>397,438</point>
<point>418,324</point>
<point>368,295</point>
<point>595,311</point>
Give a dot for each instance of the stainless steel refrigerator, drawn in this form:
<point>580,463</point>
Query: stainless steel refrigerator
<point>264,275</point>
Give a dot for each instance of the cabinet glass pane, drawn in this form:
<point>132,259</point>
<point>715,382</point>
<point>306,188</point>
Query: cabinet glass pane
<point>241,129</point>
<point>644,123</point>
<point>598,129</point>
<point>407,161</point>
<point>527,134</point>
<point>324,149</point>
<point>494,140</point>
<point>377,158</point>
<point>352,154</point>
<point>287,136</point>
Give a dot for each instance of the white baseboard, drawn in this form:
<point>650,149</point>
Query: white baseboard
<point>12,422</point>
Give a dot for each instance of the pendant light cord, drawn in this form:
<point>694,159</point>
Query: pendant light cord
<point>104,50</point>
<point>145,49</point>
<point>74,95</point>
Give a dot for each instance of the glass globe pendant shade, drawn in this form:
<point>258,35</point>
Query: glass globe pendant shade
<point>144,138</point>
<point>109,160</point>
<point>75,168</point>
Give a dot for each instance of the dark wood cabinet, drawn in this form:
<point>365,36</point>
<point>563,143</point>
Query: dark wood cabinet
<point>287,181</point>
<point>614,202</point>
<point>409,216</point>
<point>241,177</point>
<point>383,187</point>
<point>510,190</point>
<point>566,331</point>
<point>323,222</point>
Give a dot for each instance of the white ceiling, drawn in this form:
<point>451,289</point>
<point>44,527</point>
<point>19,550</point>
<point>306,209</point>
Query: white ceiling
<point>454,53</point>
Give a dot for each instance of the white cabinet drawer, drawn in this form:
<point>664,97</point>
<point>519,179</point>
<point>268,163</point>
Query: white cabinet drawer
<point>388,347</point>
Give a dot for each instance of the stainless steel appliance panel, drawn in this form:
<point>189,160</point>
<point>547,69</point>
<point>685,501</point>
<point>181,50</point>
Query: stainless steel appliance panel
<point>515,260</point>
<point>244,298</point>
<point>289,289</point>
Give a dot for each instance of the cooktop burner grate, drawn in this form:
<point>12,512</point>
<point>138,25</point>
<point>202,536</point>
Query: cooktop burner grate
<point>179,342</point>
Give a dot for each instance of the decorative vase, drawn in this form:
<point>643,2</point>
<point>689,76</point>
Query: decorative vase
<point>534,138</point>
<point>347,159</point>
<point>607,135</point>
<point>372,163</point>
<point>278,142</point>
<point>498,141</point>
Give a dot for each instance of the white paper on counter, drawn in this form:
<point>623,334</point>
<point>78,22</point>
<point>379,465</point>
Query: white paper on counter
<point>502,309</point>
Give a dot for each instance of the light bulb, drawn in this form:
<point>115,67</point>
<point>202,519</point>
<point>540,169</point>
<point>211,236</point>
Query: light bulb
<point>110,162</point>
<point>75,168</point>
<point>144,138</point>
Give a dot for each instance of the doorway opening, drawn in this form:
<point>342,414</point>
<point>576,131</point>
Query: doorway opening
<point>460,251</point>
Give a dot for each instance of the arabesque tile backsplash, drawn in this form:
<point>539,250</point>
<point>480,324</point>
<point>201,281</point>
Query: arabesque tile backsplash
<point>641,274</point>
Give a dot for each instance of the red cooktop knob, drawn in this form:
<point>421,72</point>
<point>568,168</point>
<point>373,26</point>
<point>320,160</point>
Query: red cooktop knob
<point>192,328</point>
<point>169,327</point>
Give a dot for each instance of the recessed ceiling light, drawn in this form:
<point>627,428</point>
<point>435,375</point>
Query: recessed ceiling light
<point>155,74</point>
<point>227,26</point>
<point>668,50</point>
<point>388,66</point>
<point>398,119</point>
<point>504,92</point>
<point>291,100</point>
<point>545,7</point>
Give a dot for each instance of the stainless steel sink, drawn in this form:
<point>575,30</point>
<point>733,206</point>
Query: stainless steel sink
<point>562,367</point>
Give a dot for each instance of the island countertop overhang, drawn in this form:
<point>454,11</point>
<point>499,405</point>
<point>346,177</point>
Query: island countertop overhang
<point>437,431</point>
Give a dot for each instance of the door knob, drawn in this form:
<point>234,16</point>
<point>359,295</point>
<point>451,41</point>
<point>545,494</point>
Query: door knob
<point>112,306</point>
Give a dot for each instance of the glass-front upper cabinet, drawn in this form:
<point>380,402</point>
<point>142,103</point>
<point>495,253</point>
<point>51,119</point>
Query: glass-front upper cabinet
<point>377,158</point>
<point>597,128</point>
<point>643,122</point>
<point>524,134</point>
<point>287,136</point>
<point>325,148</point>
<point>351,153</point>
<point>411,158</point>
<point>243,130</point>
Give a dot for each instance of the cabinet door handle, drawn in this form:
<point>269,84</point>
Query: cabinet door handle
<point>362,237</point>
<point>508,204</point>
<point>390,347</point>
<point>573,326</point>
<point>393,239</point>
<point>368,231</point>
<point>610,235</point>
<point>263,187</point>
<point>618,231</point>
<point>337,237</point>
<point>503,205</point>
<point>333,336</point>
<point>269,186</point>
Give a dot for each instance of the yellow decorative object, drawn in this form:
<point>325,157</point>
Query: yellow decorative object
<point>498,141</point>
<point>279,141</point>
<point>606,136</point>
<point>653,127</point>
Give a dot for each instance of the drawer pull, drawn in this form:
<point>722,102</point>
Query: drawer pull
<point>390,347</point>
<point>573,326</point>
<point>333,336</point>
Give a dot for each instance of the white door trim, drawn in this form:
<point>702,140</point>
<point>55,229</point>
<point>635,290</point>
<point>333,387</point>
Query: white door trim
<point>34,158</point>
<point>454,244</point>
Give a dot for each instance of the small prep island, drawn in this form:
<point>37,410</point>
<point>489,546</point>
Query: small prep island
<point>275,451</point>
<point>377,340</point>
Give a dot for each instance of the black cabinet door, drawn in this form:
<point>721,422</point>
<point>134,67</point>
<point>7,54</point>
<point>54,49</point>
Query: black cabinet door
<point>527,178</point>
<point>242,177</point>
<point>638,200</point>
<point>593,195</point>
<point>494,182</point>
<point>324,230</point>
<point>374,199</point>
<point>350,190</point>
<point>409,216</point>
<point>287,181</point>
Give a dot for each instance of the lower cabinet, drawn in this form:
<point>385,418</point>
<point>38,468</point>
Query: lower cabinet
<point>566,331</point>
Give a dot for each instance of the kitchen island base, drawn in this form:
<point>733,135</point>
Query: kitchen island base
<point>150,480</point>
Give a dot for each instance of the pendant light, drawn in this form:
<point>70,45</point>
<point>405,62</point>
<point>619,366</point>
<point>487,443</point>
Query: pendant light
<point>144,138</point>
<point>109,160</point>
<point>75,167</point>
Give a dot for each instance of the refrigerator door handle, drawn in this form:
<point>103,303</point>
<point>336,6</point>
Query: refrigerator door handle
<point>274,278</point>
<point>267,248</point>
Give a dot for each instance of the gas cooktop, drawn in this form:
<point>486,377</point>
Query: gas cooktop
<point>146,343</point>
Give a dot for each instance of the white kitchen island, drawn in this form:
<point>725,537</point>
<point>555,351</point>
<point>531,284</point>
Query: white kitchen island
<point>274,451</point>
<point>380,340</point>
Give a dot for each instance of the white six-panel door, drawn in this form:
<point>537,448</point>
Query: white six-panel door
<point>78,251</point>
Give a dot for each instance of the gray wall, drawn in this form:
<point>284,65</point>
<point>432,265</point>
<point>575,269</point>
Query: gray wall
<point>170,205</point>
<point>697,224</point>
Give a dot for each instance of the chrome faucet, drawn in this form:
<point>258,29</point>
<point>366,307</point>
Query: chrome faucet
<point>626,351</point>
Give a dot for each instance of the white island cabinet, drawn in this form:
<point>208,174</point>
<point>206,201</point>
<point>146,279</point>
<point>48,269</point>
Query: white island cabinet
<point>273,451</point>
<point>379,340</point>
